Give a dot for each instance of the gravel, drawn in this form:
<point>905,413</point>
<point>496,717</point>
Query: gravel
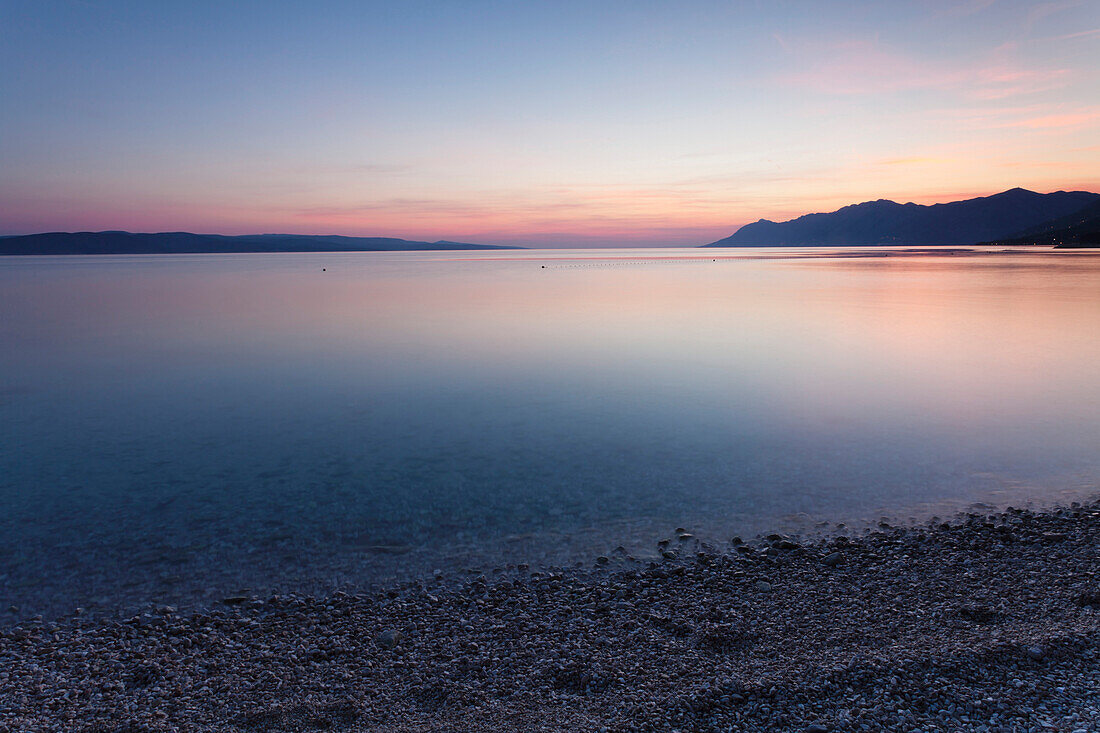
<point>987,623</point>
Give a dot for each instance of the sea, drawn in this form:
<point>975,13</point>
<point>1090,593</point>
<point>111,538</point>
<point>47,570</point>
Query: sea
<point>181,429</point>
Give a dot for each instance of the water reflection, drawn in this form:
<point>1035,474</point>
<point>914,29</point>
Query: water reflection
<point>174,426</point>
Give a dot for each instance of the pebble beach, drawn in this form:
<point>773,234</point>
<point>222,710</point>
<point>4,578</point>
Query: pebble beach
<point>987,623</point>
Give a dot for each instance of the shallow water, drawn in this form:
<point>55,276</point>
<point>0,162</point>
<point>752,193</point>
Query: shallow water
<point>173,428</point>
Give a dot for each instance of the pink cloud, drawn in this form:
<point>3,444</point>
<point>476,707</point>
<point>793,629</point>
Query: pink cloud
<point>1059,121</point>
<point>866,67</point>
<point>1045,10</point>
<point>863,67</point>
<point>1033,117</point>
<point>914,160</point>
<point>1072,36</point>
<point>1003,81</point>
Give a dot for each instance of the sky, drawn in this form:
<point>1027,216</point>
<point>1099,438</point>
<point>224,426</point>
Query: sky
<point>563,123</point>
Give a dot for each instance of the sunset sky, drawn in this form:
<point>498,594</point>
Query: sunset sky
<point>536,123</point>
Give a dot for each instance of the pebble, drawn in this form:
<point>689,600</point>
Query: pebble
<point>389,638</point>
<point>647,646</point>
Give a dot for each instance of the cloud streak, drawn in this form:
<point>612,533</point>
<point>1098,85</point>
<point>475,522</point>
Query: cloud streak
<point>868,67</point>
<point>1083,118</point>
<point>1031,117</point>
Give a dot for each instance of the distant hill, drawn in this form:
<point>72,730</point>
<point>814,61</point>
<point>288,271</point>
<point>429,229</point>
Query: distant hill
<point>1079,229</point>
<point>886,222</point>
<point>126,243</point>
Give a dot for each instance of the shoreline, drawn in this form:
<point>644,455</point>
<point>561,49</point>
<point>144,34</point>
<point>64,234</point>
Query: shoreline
<point>111,581</point>
<point>995,615</point>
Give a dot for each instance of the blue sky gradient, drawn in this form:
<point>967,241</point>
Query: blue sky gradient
<point>553,124</point>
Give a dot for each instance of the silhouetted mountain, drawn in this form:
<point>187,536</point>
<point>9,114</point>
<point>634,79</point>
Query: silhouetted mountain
<point>1079,229</point>
<point>112,243</point>
<point>887,222</point>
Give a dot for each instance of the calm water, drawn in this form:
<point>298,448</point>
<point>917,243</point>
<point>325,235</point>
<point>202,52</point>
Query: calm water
<point>174,428</point>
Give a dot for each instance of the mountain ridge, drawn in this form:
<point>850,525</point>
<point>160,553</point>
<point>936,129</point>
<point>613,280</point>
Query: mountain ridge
<point>121,242</point>
<point>1079,229</point>
<point>885,222</point>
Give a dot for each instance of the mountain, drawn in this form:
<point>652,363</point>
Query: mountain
<point>1079,229</point>
<point>116,243</point>
<point>887,222</point>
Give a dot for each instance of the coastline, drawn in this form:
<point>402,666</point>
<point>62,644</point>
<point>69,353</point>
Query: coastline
<point>989,620</point>
<point>110,580</point>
